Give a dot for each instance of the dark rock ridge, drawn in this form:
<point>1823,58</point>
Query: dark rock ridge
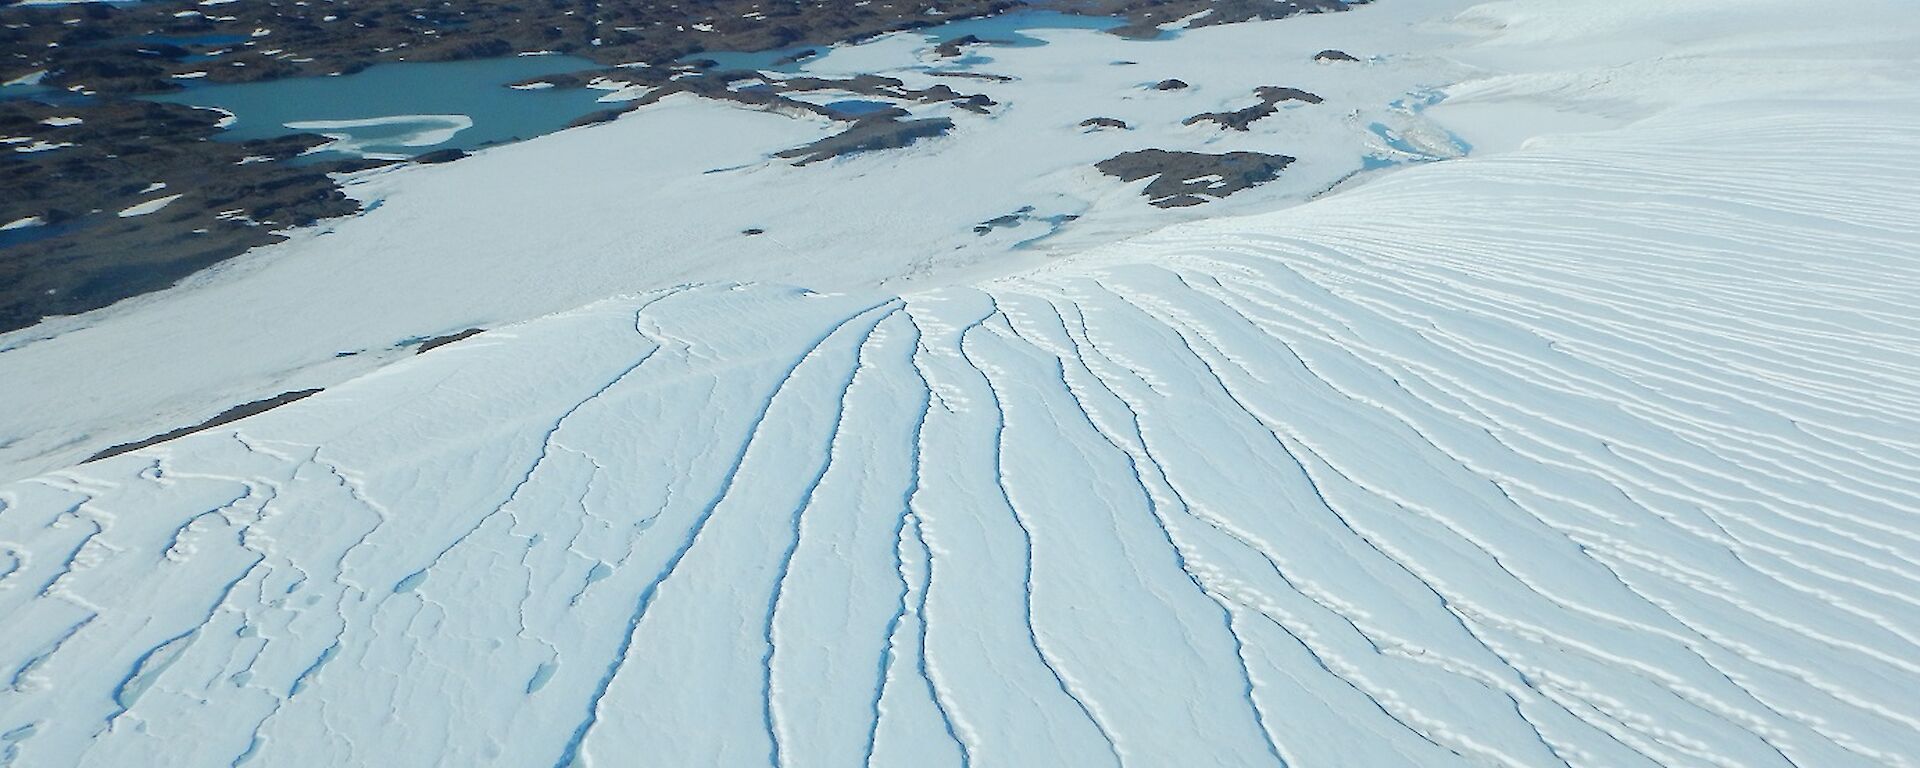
<point>226,417</point>
<point>1271,96</point>
<point>1333,55</point>
<point>1144,17</point>
<point>797,57</point>
<point>953,48</point>
<point>1274,94</point>
<point>772,94</point>
<point>1008,220</point>
<point>878,131</point>
<point>596,118</point>
<point>974,76</point>
<point>1182,179</point>
<point>440,156</point>
<point>440,341</point>
<point>1103,122</point>
<point>1170,84</point>
<point>882,129</point>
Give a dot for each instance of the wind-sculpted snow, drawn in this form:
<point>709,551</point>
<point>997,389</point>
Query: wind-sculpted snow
<point>1606,452</point>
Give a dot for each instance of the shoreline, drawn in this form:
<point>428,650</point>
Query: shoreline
<point>484,242</point>
<point>154,47</point>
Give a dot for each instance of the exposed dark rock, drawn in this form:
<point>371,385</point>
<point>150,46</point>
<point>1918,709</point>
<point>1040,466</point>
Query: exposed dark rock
<point>1103,122</point>
<point>976,103</point>
<point>1009,220</point>
<point>1270,98</point>
<point>1189,178</point>
<point>974,76</point>
<point>797,57</point>
<point>845,114</point>
<point>869,134</point>
<point>1237,120</point>
<point>956,46</point>
<point>751,231</point>
<point>595,118</point>
<point>1145,17</point>
<point>1140,29</point>
<point>558,80</point>
<point>440,156</point>
<point>1275,94</point>
<point>1170,84</point>
<point>227,416</point>
<point>441,341</point>
<point>772,94</point>
<point>234,195</point>
<point>1333,55</point>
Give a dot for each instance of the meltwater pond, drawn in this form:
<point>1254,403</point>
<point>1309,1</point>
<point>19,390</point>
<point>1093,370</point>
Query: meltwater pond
<point>406,108</point>
<point>29,87</point>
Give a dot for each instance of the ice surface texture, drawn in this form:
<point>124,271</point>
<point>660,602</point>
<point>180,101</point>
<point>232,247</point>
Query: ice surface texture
<point>1606,452</point>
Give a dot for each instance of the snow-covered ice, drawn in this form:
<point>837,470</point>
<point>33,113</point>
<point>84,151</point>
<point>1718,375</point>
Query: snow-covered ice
<point>148,207</point>
<point>661,197</point>
<point>1603,450</point>
<point>425,131</point>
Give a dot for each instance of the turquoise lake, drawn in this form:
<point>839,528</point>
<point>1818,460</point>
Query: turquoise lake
<point>405,108</point>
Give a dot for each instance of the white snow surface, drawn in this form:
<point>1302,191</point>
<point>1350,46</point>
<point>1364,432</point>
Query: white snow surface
<point>1603,450</point>
<point>148,207</point>
<point>427,130</point>
<point>660,197</point>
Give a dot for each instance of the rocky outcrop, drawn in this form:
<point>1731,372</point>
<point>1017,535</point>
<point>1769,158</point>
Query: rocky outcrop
<point>1145,17</point>
<point>1271,96</point>
<point>440,156</point>
<point>596,118</point>
<point>120,156</point>
<point>440,341</point>
<point>953,48</point>
<point>1182,179</point>
<point>772,94</point>
<point>225,417</point>
<point>869,134</point>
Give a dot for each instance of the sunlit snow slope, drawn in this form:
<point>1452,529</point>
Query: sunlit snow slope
<point>1603,452</point>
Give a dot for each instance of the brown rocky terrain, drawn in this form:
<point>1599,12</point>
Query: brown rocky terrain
<point>103,151</point>
<point>1181,179</point>
<point>86,254</point>
<point>1271,96</point>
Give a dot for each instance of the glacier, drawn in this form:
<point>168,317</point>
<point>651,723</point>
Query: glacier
<point>1600,449</point>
